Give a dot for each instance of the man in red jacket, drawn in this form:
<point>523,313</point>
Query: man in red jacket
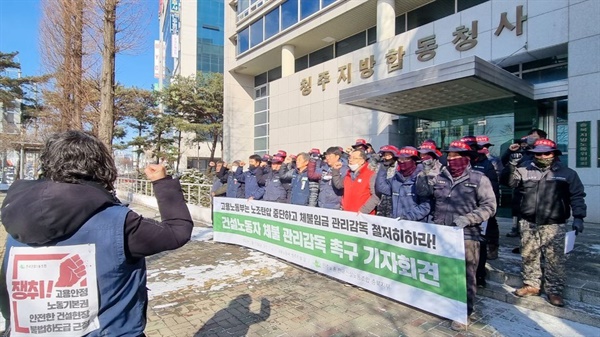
<point>358,184</point>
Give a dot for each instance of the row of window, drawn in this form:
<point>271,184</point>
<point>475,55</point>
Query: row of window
<point>261,120</point>
<point>291,12</point>
<point>279,19</point>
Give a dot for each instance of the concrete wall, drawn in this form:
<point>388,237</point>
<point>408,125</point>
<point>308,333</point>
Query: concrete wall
<point>584,92</point>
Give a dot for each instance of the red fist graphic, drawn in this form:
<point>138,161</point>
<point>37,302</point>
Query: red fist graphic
<point>71,271</point>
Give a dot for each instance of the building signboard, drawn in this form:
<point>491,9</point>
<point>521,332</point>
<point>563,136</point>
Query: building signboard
<point>465,38</point>
<point>583,156</point>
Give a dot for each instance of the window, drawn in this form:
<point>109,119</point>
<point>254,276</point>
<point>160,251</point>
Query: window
<point>400,24</point>
<point>274,74</point>
<point>327,2</point>
<point>272,23</point>
<point>308,7</point>
<point>256,33</point>
<point>261,118</point>
<point>289,13</point>
<point>260,79</point>
<point>429,13</point>
<point>371,35</point>
<point>242,5</point>
<point>464,4</point>
<point>320,56</point>
<point>350,44</point>
<point>243,40</point>
<point>301,63</point>
<point>261,130</point>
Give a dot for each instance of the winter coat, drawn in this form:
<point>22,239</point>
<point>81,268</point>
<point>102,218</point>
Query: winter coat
<point>549,196</point>
<point>406,204</point>
<point>471,195</point>
<point>253,182</point>
<point>359,189</point>
<point>329,196</point>
<point>276,189</point>
<point>303,192</point>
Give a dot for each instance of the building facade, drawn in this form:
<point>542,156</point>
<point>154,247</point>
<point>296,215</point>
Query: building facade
<point>303,73</point>
<point>192,35</point>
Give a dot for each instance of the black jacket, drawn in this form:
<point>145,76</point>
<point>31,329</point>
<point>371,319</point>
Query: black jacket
<point>41,211</point>
<point>548,195</point>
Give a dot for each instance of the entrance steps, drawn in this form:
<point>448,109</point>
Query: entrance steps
<point>582,289</point>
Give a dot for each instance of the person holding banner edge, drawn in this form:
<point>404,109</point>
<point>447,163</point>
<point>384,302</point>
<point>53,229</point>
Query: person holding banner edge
<point>71,209</point>
<point>463,198</point>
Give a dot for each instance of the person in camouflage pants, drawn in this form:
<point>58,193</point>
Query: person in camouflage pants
<point>551,192</point>
<point>549,238</point>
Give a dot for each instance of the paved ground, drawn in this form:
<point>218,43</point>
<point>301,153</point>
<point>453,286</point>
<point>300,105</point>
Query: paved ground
<point>214,289</point>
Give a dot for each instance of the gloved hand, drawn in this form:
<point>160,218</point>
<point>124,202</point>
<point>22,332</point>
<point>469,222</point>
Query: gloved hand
<point>577,225</point>
<point>461,222</point>
<point>515,157</point>
<point>427,165</point>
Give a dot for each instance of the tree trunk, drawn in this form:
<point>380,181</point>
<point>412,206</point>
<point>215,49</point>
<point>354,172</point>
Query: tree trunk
<point>178,151</point>
<point>66,78</point>
<point>214,146</point>
<point>77,66</point>
<point>107,90</point>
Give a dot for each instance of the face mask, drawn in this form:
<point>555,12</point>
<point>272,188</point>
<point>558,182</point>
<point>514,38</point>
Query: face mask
<point>353,167</point>
<point>407,168</point>
<point>531,140</point>
<point>484,151</point>
<point>388,162</point>
<point>251,167</point>
<point>458,166</point>
<point>234,168</point>
<point>543,162</point>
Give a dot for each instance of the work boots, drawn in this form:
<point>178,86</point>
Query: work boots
<point>527,290</point>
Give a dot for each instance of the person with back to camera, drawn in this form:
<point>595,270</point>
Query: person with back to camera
<point>72,206</point>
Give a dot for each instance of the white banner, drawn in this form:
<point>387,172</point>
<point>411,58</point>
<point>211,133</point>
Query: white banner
<point>53,291</point>
<point>416,263</point>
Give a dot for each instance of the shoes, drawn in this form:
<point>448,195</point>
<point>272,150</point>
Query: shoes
<point>556,300</point>
<point>527,290</point>
<point>514,232</point>
<point>481,283</point>
<point>492,253</point>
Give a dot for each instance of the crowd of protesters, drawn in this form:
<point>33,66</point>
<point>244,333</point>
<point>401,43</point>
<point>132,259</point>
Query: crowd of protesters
<point>457,186</point>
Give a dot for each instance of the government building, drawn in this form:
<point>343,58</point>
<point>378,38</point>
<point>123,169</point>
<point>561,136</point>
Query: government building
<point>301,74</point>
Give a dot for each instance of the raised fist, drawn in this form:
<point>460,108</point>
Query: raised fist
<point>71,271</point>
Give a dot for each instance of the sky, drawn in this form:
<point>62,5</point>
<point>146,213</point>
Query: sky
<point>19,24</point>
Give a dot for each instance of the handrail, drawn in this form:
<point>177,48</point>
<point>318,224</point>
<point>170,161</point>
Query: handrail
<point>196,194</point>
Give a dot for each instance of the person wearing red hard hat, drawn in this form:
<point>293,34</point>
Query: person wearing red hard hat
<point>389,160</point>
<point>552,193</point>
<point>406,203</point>
<point>463,197</point>
<point>276,188</point>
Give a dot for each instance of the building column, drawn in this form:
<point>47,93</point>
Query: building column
<point>386,19</point>
<point>288,60</point>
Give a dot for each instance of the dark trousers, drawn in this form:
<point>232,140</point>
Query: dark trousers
<point>471,261</point>
<point>491,237</point>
